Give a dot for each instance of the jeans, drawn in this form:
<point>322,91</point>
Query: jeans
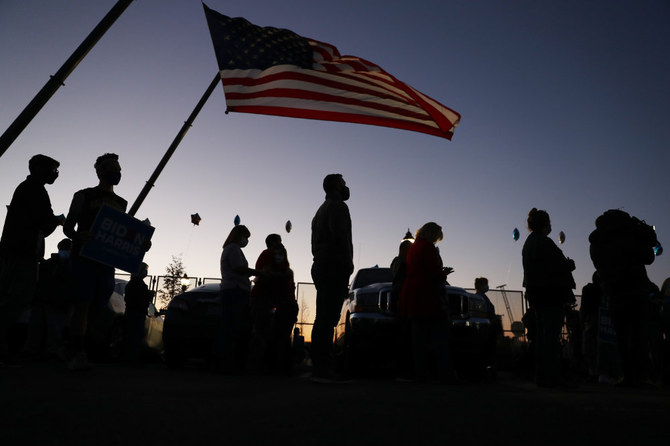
<point>235,330</point>
<point>547,344</point>
<point>332,287</point>
<point>431,335</point>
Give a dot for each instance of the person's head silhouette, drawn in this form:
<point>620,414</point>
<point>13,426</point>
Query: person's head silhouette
<point>44,168</point>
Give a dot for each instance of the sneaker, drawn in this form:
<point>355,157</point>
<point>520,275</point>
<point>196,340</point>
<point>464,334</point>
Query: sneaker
<point>78,362</point>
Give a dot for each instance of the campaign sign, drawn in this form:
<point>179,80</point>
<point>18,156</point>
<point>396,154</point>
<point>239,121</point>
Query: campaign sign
<point>117,240</point>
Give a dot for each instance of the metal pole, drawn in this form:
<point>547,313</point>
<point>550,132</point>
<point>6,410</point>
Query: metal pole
<point>173,146</point>
<point>58,79</point>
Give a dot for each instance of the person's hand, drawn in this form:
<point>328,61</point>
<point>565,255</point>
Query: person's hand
<point>84,236</point>
<point>448,270</point>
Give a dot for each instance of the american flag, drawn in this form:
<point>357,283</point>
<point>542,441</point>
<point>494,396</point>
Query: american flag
<point>277,72</point>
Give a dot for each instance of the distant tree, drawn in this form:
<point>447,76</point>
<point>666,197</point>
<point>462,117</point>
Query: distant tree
<point>171,285</point>
<point>303,313</point>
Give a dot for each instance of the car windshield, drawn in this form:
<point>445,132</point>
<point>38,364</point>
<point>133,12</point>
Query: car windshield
<point>366,277</point>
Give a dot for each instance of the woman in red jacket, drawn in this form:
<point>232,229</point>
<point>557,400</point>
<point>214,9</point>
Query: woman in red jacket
<point>421,303</point>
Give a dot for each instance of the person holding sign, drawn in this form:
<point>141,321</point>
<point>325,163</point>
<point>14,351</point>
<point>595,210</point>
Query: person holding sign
<point>94,280</point>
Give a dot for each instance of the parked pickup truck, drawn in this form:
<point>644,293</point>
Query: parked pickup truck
<point>368,328</point>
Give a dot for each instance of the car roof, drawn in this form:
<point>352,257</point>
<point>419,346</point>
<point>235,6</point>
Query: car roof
<point>456,289</point>
<point>213,287</point>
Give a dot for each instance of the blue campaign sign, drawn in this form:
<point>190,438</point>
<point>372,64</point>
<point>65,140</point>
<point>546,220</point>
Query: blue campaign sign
<point>117,240</point>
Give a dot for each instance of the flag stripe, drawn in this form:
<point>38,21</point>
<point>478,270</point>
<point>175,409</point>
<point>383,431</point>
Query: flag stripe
<point>258,83</point>
<point>298,97</point>
<point>268,71</point>
<point>325,115</point>
<point>307,79</point>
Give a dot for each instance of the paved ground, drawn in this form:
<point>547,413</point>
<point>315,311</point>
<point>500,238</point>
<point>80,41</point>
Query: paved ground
<point>45,404</point>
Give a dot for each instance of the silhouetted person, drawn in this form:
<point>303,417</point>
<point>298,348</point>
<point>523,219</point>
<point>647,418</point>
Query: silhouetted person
<point>588,310</point>
<point>29,220</point>
<point>274,310</point>
<point>332,249</point>
<point>423,302</point>
<point>547,277</point>
<point>51,309</point>
<point>481,288</point>
<point>665,329</point>
<point>404,361</point>
<point>137,297</point>
<point>399,272</point>
<point>235,288</point>
<point>621,246</point>
<point>95,281</point>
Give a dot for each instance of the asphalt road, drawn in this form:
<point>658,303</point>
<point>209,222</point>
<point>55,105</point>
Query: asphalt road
<point>45,404</point>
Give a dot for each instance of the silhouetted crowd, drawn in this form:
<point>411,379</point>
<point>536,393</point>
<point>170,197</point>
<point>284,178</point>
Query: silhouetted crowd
<point>619,335</point>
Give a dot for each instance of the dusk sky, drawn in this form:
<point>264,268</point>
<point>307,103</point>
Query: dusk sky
<point>565,106</point>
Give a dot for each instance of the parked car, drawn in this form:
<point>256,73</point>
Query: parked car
<point>106,328</point>
<point>368,329</point>
<point>192,322</point>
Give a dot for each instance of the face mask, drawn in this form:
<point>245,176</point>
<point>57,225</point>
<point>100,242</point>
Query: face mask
<point>113,178</point>
<point>345,193</point>
<point>142,273</point>
<point>280,258</point>
<point>52,176</point>
<point>485,289</point>
<point>64,254</point>
<point>244,242</point>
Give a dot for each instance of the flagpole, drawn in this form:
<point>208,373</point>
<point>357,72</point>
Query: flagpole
<point>58,79</point>
<point>187,124</point>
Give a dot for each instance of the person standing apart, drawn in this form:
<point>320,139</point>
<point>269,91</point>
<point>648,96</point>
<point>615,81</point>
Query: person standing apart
<point>29,221</point>
<point>547,277</point>
<point>333,263</point>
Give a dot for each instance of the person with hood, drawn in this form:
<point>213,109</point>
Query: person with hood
<point>30,219</point>
<point>621,247</point>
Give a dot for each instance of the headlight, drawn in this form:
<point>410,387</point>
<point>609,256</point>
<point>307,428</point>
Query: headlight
<point>366,303</point>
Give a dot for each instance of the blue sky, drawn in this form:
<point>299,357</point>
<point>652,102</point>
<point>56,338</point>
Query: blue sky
<point>565,107</point>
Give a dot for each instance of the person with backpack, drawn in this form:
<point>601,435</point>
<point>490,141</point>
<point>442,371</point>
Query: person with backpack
<point>620,247</point>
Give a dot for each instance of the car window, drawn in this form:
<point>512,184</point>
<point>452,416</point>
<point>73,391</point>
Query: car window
<point>120,287</point>
<point>366,277</point>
